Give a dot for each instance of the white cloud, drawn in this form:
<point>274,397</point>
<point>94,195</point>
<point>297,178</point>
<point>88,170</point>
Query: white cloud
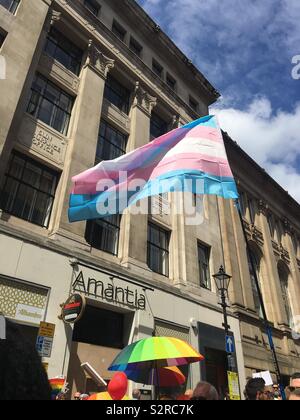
<point>271,139</point>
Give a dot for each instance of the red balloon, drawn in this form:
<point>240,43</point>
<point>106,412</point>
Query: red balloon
<point>117,387</point>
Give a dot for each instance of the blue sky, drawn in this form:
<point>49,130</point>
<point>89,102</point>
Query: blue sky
<point>245,49</point>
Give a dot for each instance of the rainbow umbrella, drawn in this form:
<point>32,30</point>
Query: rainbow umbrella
<point>155,353</point>
<point>164,377</point>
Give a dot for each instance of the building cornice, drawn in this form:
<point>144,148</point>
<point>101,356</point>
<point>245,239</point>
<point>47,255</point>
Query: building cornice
<point>153,28</point>
<point>277,200</point>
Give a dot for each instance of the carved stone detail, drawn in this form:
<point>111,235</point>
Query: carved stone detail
<point>175,121</point>
<point>263,208</point>
<point>143,99</point>
<point>53,17</point>
<point>98,61</point>
<point>254,233</point>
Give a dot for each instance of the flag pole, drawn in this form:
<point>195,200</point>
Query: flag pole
<point>266,322</point>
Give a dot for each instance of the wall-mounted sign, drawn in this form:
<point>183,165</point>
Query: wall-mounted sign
<point>115,291</point>
<point>73,309</point>
<point>45,339</point>
<point>30,314</point>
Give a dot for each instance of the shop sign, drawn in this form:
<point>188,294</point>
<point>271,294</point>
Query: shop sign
<point>73,309</point>
<point>30,314</point>
<point>110,291</point>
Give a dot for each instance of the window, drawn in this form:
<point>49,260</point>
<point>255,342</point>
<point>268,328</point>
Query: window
<point>193,104</point>
<point>242,203</point>
<point>284,283</point>
<point>271,225</point>
<point>103,234</point>
<point>29,190</point>
<point>135,47</point>
<point>111,143</point>
<point>117,94</point>
<point>93,6</point>
<point>158,249</point>
<point>64,51</point>
<point>278,231</point>
<point>171,82</point>
<point>252,212</point>
<point>295,244</point>
<point>2,39</point>
<point>10,5</point>
<point>256,297</point>
<point>50,104</point>
<point>157,68</point>
<point>158,127</point>
<point>203,259</point>
<point>118,30</point>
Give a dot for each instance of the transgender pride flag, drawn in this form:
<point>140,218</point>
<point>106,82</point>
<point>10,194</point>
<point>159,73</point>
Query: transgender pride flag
<point>191,158</point>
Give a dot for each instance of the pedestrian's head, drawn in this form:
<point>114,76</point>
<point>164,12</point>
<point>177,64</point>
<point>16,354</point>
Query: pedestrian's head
<point>205,392</point>
<point>77,396</point>
<point>136,394</point>
<point>295,380</point>
<point>189,394</point>
<point>295,395</point>
<point>22,375</point>
<point>256,390</point>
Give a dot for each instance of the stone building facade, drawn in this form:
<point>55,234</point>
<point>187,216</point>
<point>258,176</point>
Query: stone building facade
<point>88,80</point>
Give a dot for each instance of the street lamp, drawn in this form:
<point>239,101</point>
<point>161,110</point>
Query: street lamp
<point>222,282</point>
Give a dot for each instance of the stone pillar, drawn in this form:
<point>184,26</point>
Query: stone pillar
<point>24,31</point>
<point>84,134</point>
<point>135,227</point>
<point>294,281</point>
<point>234,249</point>
<point>270,278</point>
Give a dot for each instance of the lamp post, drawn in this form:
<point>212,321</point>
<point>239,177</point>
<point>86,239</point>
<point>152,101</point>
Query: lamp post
<point>222,282</point>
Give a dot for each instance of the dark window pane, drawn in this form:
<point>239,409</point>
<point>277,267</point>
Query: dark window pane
<point>92,6</point>
<point>104,234</point>
<point>64,51</point>
<point>203,258</point>
<point>158,127</point>
<point>157,68</point>
<point>111,143</point>
<point>117,94</point>
<point>119,31</point>
<point>158,249</point>
<point>28,191</point>
<point>50,104</point>
<point>10,5</point>
<point>135,47</point>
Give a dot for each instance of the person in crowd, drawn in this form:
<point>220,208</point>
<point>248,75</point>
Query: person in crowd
<point>189,394</point>
<point>295,395</point>
<point>61,397</point>
<point>295,380</point>
<point>22,375</point>
<point>205,392</point>
<point>77,396</point>
<point>166,397</point>
<point>84,397</point>
<point>136,395</point>
<point>256,390</point>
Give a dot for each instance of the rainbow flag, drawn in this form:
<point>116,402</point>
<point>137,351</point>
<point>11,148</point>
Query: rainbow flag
<point>191,158</point>
<point>57,386</point>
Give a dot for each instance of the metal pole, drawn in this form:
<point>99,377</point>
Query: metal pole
<point>266,322</point>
